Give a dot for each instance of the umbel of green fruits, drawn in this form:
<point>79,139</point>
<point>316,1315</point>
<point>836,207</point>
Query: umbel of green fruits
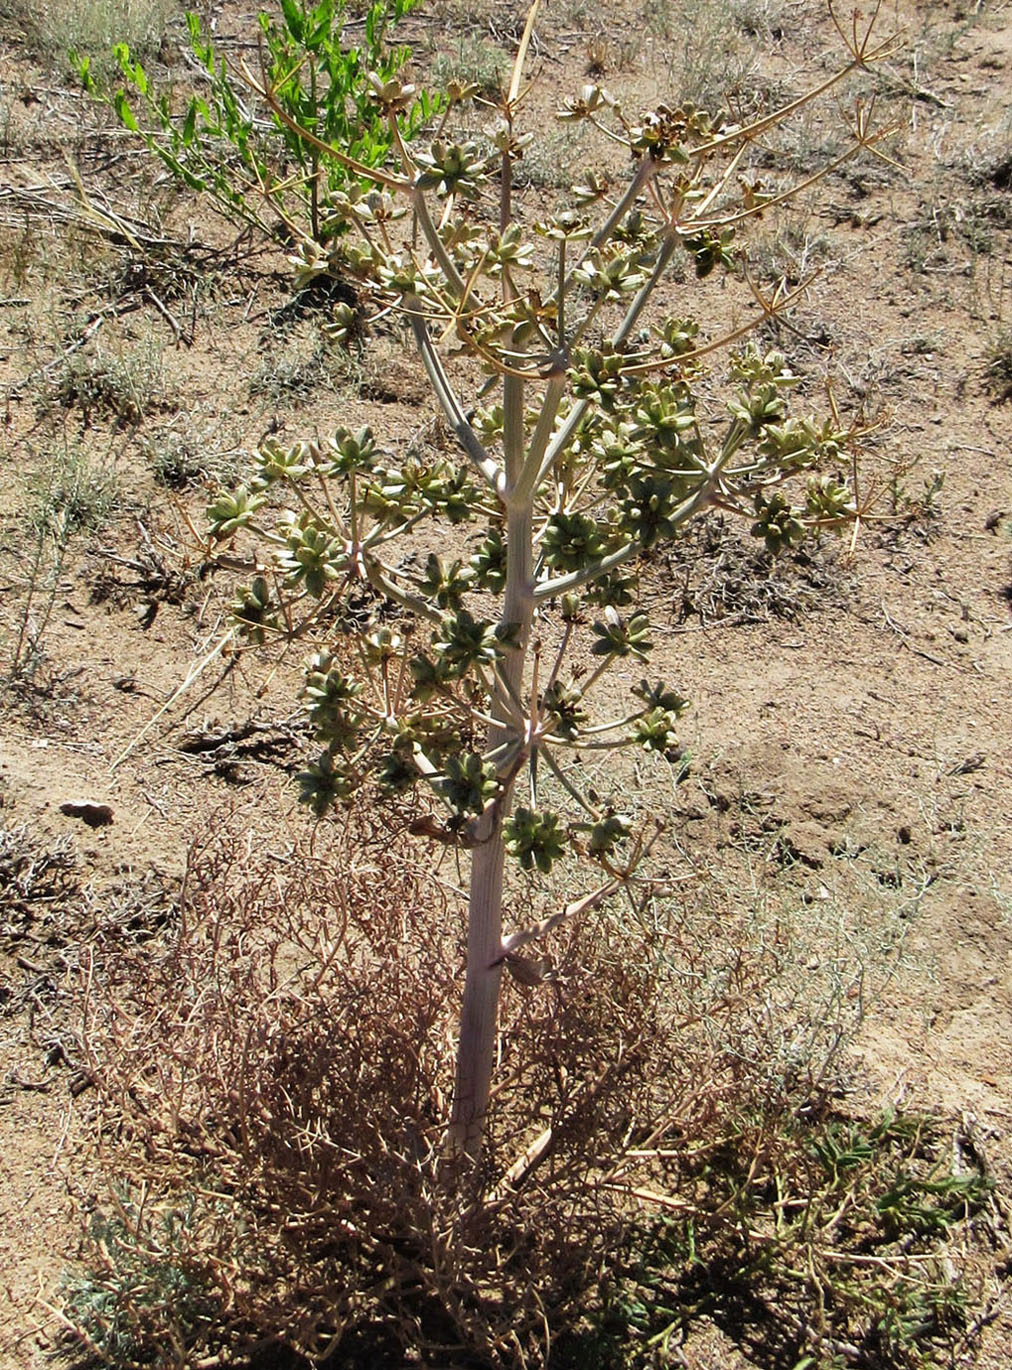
<point>588,443</point>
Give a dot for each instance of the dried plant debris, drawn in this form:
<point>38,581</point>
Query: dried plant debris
<point>270,1082</point>
<point>717,575</point>
<point>52,918</point>
<point>33,876</point>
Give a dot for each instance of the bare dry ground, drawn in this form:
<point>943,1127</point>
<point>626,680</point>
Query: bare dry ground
<point>849,731</point>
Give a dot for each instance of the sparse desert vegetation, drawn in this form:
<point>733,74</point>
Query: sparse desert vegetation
<point>748,1045</point>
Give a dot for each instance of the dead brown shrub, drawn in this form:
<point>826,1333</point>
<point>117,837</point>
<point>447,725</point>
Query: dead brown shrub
<point>273,1087</point>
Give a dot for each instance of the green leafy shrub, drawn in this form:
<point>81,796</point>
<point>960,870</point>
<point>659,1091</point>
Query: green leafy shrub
<point>259,171</point>
<point>811,1239</point>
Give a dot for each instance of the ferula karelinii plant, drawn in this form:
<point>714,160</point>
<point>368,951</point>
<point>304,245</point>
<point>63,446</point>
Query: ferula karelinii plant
<point>593,447</point>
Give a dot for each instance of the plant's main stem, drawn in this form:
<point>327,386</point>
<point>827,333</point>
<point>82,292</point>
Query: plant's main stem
<point>476,1049</point>
<point>479,1011</point>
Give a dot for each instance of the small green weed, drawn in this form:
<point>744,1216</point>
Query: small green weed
<point>176,461</point>
<point>918,510</point>
<point>789,252</point>
<point>983,220</point>
<point>949,228</point>
<point>74,495</point>
<point>551,163</point>
<point>476,61</point>
<point>711,56</point>
<point>140,1274</point>
<point>22,253</point>
<point>806,1237</point>
<point>811,142</point>
<point>185,455</point>
<point>296,374</point>
<point>91,25</point>
<point>761,19</point>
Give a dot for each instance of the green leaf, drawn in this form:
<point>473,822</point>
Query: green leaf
<point>620,637</point>
<point>535,839</point>
<point>190,124</point>
<point>82,66</point>
<point>572,541</point>
<point>324,783</point>
<point>253,612</point>
<point>607,832</point>
<point>188,177</point>
<point>294,19</point>
<point>320,21</point>
<point>124,113</point>
<point>232,511</point>
<point>469,782</point>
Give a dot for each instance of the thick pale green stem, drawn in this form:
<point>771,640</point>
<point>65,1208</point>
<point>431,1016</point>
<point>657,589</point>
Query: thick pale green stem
<point>476,1049</point>
<point>564,435</point>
